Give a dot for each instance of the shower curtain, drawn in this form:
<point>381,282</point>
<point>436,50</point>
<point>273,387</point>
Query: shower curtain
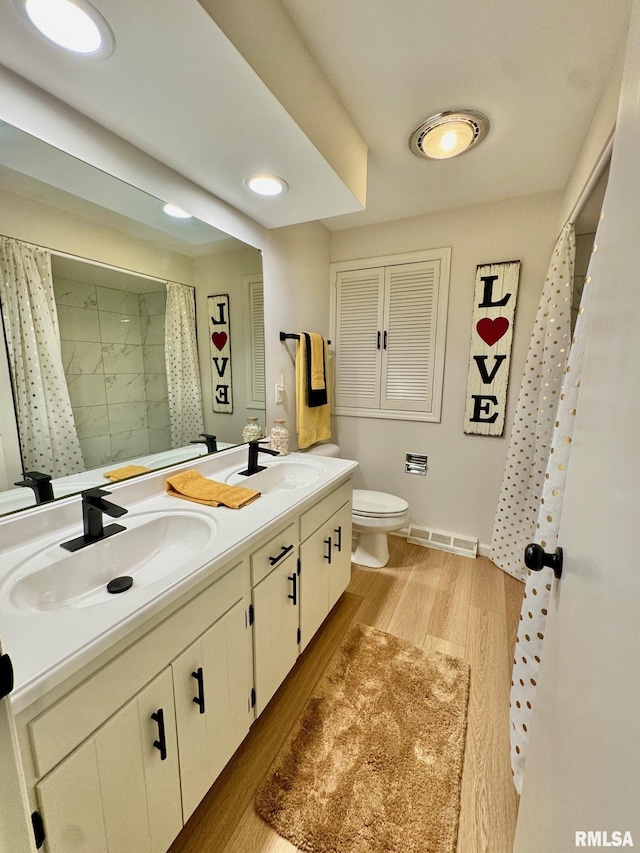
<point>539,585</point>
<point>48,435</point>
<point>183,373</point>
<point>530,440</point>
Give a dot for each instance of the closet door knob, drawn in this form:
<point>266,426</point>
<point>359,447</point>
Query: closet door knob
<point>536,558</point>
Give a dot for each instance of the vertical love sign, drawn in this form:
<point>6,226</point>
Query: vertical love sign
<point>494,307</point>
<point>220,347</point>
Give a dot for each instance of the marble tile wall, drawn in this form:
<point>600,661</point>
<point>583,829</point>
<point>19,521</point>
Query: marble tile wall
<point>113,354</point>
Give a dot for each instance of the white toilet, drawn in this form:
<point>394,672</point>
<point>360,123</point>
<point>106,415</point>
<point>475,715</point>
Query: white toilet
<point>374,515</point>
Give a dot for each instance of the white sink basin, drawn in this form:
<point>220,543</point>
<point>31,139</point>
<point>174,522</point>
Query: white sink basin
<point>280,475</point>
<point>154,545</point>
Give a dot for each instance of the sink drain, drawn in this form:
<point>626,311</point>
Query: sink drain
<point>121,584</point>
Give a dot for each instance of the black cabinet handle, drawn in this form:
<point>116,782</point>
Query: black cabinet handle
<point>161,743</point>
<point>378,340</point>
<point>338,530</point>
<point>294,579</point>
<point>283,553</point>
<point>199,699</point>
<point>384,346</point>
<point>536,558</point>
<point>327,556</point>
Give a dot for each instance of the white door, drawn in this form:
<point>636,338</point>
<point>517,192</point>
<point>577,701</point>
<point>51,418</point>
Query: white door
<point>583,767</point>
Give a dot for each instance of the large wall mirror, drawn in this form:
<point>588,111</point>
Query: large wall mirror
<point>113,255</point>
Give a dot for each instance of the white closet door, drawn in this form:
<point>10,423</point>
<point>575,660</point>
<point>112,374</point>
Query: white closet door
<point>359,302</point>
<point>409,340</point>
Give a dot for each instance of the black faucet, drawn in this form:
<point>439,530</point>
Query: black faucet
<point>254,448</point>
<point>209,440</point>
<point>93,506</point>
<point>41,485</point>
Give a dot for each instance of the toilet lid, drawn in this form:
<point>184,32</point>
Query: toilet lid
<point>370,503</point>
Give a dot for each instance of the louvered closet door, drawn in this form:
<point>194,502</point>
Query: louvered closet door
<point>410,305</point>
<point>359,301</point>
<point>256,341</point>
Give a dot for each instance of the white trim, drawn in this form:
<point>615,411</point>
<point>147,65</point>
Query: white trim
<point>592,180</point>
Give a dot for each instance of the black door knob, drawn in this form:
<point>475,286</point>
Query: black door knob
<point>536,558</point>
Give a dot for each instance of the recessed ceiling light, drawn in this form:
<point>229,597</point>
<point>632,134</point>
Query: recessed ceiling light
<point>76,26</point>
<point>267,185</point>
<point>174,210</point>
<point>448,134</point>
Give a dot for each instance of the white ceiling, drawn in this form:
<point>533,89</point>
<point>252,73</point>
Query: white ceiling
<point>178,89</point>
<point>536,68</point>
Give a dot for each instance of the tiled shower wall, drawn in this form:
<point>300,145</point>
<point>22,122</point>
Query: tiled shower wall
<point>113,355</point>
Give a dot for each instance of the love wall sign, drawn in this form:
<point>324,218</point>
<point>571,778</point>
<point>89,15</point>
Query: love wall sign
<point>220,344</point>
<point>494,307</point>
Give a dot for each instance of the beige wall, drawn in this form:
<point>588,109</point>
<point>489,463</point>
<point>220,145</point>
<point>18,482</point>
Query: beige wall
<point>296,293</point>
<point>224,273</point>
<point>460,492</point>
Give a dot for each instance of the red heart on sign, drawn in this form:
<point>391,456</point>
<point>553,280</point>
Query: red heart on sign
<point>219,339</point>
<point>492,330</point>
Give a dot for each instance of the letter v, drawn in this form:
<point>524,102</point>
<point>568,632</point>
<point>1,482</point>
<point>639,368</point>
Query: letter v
<point>224,365</point>
<point>481,360</point>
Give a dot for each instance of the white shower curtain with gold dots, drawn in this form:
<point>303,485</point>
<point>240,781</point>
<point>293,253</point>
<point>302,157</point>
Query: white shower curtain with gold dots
<point>540,585</point>
<point>183,372</point>
<point>530,439</point>
<point>48,436</point>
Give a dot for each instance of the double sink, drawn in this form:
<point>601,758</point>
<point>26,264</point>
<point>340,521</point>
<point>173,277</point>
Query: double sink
<point>154,546</point>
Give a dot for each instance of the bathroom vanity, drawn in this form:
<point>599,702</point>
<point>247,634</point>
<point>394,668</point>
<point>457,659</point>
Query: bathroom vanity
<point>127,707</point>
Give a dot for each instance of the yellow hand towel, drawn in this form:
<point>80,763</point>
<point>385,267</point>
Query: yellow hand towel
<point>192,486</point>
<point>127,471</point>
<point>312,424</point>
<point>318,382</point>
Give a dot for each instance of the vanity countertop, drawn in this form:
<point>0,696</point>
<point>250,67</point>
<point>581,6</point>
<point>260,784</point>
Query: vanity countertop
<point>48,645</point>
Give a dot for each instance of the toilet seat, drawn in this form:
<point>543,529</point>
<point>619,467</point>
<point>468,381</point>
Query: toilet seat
<point>370,504</point>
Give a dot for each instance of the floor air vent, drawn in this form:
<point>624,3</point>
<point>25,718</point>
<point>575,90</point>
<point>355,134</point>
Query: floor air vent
<point>462,545</point>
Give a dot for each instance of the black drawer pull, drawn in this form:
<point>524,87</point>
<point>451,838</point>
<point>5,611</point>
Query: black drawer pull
<point>161,743</point>
<point>338,530</point>
<point>283,553</point>
<point>327,556</point>
<point>199,699</point>
<point>294,580</point>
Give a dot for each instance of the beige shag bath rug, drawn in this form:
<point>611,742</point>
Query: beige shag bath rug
<point>374,763</point>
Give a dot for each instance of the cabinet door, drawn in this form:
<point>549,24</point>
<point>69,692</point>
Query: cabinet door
<point>314,583</point>
<point>212,684</point>
<point>359,312</point>
<point>115,793</point>
<point>162,775</point>
<point>325,571</point>
<point>340,566</point>
<point>275,629</point>
<point>71,804</point>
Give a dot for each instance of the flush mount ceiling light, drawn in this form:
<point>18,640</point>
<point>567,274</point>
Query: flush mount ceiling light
<point>448,134</point>
<point>266,184</point>
<point>75,26</point>
<point>174,210</point>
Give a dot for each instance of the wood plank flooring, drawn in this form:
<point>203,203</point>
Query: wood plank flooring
<point>456,605</point>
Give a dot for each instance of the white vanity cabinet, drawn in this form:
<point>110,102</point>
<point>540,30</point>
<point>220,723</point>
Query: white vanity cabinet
<point>325,559</point>
<point>120,790</point>
<point>212,682</point>
<point>275,612</point>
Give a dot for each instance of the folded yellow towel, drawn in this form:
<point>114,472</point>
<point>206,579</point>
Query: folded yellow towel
<point>312,424</point>
<point>192,486</point>
<point>125,472</point>
<point>318,382</point>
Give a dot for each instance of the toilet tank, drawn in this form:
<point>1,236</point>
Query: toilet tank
<point>327,449</point>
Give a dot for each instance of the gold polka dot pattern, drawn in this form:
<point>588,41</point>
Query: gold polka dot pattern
<point>183,371</point>
<point>48,435</point>
<point>541,586</point>
<point>530,440</point>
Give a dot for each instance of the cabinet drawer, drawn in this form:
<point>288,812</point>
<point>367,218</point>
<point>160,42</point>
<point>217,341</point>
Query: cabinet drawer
<point>274,552</point>
<point>63,726</point>
<point>311,520</point>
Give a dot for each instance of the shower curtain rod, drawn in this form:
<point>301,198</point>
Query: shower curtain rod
<point>598,169</point>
